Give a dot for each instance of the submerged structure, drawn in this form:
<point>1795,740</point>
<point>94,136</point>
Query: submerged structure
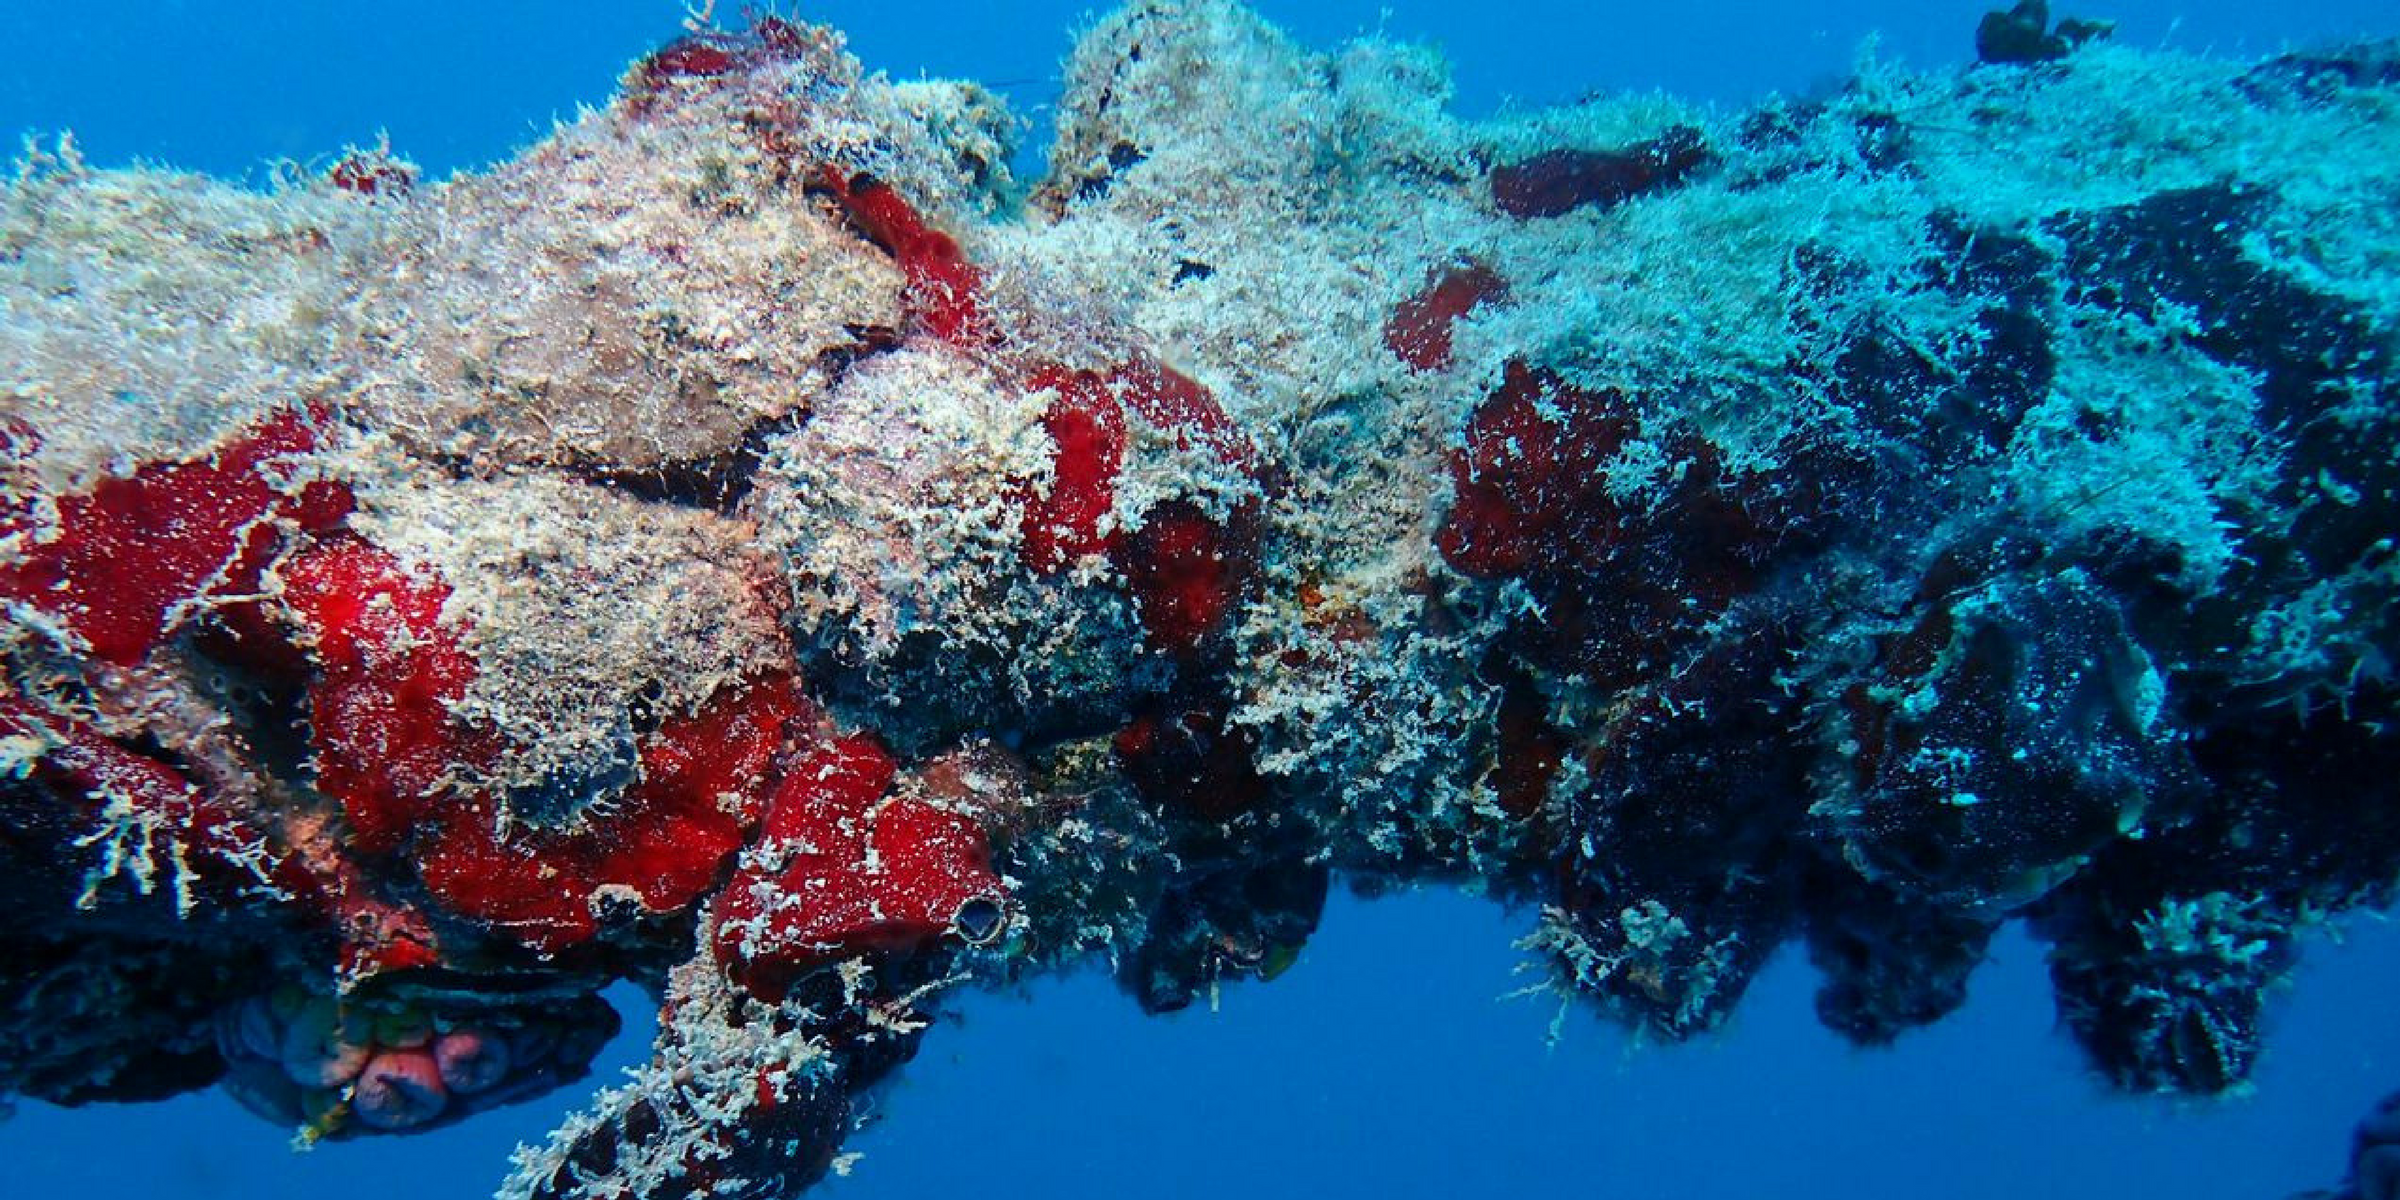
<point>750,545</point>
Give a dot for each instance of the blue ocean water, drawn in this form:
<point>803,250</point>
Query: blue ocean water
<point>1390,1061</point>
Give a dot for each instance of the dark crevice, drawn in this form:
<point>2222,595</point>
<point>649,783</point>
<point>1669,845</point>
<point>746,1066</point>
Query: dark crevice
<point>720,482</point>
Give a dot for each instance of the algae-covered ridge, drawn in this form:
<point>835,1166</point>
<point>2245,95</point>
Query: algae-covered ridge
<point>752,545</point>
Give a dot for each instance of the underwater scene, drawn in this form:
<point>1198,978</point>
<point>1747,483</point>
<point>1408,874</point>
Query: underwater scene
<point>659,601</point>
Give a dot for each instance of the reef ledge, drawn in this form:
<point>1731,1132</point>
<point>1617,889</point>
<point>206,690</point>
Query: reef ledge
<point>751,545</point>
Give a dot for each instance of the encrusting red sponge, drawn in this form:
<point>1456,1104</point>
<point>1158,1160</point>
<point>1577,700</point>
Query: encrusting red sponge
<point>843,867</point>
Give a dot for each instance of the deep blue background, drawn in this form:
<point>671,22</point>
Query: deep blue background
<point>222,86</point>
<point>1387,1063</point>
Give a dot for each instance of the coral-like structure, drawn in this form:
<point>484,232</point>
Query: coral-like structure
<point>750,546</point>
